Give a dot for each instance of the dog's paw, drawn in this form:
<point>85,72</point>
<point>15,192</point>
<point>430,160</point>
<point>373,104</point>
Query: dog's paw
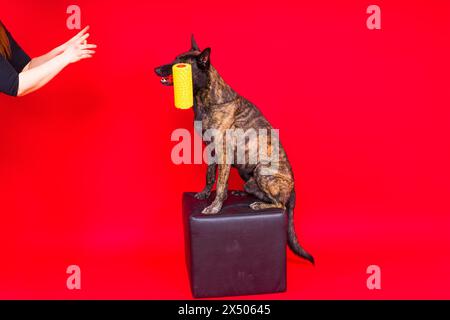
<point>257,206</point>
<point>212,209</point>
<point>202,195</point>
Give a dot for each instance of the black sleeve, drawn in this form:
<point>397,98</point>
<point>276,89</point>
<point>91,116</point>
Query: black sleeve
<point>9,78</point>
<point>19,59</point>
<point>10,68</point>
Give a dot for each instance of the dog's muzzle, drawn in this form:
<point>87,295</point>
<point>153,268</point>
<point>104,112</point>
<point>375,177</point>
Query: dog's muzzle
<point>165,72</point>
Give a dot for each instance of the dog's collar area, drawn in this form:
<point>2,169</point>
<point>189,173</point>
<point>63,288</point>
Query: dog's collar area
<point>220,104</point>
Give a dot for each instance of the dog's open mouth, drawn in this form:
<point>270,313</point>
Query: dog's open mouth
<point>167,81</point>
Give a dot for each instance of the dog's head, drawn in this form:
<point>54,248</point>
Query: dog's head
<point>199,60</point>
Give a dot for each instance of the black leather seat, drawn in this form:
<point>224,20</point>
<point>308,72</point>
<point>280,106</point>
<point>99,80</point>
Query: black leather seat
<point>236,252</point>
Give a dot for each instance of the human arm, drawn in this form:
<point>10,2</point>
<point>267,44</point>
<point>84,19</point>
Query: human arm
<point>35,78</point>
<point>37,61</point>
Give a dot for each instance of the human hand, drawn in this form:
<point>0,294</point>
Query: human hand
<point>79,49</point>
<point>73,40</point>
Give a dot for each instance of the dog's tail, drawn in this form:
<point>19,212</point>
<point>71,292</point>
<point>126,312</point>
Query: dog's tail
<point>293,243</point>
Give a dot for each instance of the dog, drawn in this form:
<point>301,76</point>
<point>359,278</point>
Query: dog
<point>219,107</point>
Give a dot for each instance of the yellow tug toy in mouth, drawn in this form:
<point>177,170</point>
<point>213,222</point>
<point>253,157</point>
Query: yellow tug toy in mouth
<point>182,85</point>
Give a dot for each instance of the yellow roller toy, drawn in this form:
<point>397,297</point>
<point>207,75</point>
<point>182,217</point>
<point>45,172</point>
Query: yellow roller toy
<point>182,85</point>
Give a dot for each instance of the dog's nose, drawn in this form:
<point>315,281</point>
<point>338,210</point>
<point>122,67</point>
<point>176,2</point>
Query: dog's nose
<point>158,70</point>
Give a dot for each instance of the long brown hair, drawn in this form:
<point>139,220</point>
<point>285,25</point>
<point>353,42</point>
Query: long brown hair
<point>5,49</point>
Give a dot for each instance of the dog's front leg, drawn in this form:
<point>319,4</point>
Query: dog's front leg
<point>221,119</point>
<point>221,189</point>
<point>210,179</point>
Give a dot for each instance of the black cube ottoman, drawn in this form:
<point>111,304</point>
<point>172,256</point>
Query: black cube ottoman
<point>236,252</point>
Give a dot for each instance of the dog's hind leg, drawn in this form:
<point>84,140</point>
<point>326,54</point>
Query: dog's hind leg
<point>246,176</point>
<point>252,188</point>
<point>276,190</point>
<point>264,205</point>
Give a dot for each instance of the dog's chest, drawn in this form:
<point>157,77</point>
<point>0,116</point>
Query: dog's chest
<point>203,124</point>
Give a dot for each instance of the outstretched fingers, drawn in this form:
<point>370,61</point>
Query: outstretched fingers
<point>86,56</point>
<point>82,39</point>
<point>81,33</point>
<point>88,46</point>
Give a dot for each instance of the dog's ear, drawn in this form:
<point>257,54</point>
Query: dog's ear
<point>203,59</point>
<point>194,45</point>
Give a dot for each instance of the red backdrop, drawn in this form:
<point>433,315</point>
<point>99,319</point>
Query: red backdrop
<point>85,171</point>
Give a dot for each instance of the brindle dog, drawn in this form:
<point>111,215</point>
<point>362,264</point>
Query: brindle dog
<point>219,107</point>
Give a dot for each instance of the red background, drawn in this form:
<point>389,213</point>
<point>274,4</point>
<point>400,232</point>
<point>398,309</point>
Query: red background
<point>85,171</point>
